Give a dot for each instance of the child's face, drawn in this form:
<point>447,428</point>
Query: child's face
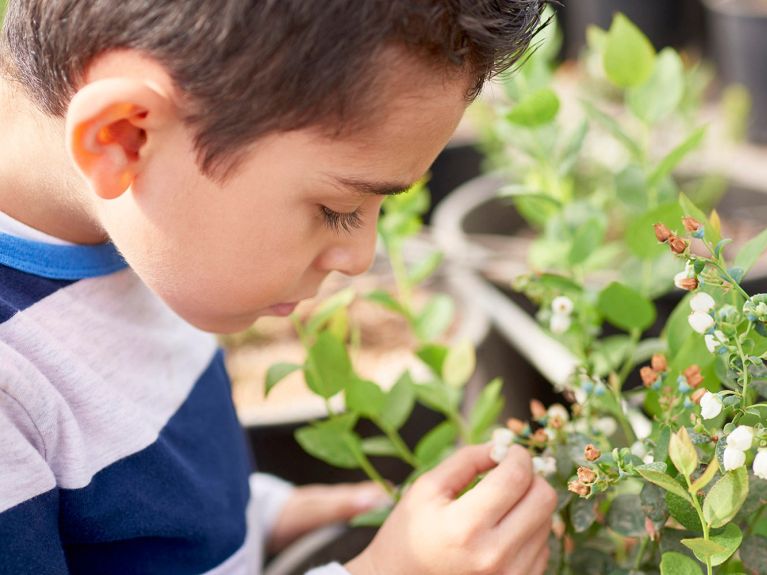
<point>223,255</point>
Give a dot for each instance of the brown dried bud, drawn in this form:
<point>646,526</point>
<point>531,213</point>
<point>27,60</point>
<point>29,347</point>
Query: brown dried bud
<point>693,376</point>
<point>648,376</point>
<point>569,545</point>
<point>579,488</point>
<point>697,395</point>
<point>537,409</point>
<point>586,475</point>
<point>558,526</point>
<point>690,224</point>
<point>591,453</point>
<point>516,425</point>
<point>662,233</point>
<point>540,436</point>
<point>659,362</point>
<point>677,244</point>
<point>689,284</point>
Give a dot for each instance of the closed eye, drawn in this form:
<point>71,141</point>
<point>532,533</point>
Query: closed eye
<point>339,222</point>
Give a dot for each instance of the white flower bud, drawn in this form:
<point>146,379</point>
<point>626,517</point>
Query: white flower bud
<point>498,452</point>
<point>562,305</point>
<point>702,302</point>
<point>560,411</point>
<point>733,458</point>
<point>760,464</point>
<point>638,448</point>
<point>715,341</point>
<point>503,436</point>
<point>647,459</point>
<point>545,465</point>
<point>639,423</point>
<point>559,323</point>
<point>741,438</point>
<point>710,405</point>
<point>700,321</point>
<point>606,425</point>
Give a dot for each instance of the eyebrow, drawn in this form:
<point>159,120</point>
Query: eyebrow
<point>374,188</point>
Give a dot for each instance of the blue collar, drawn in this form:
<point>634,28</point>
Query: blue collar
<point>59,261</point>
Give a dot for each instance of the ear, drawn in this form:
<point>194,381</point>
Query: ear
<point>109,125</point>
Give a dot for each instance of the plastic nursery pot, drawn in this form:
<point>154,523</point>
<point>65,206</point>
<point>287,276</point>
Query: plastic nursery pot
<point>333,543</point>
<point>738,32</point>
<point>458,163</point>
<point>665,22</point>
<point>386,351</point>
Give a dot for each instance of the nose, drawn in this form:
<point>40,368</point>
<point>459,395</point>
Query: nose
<point>353,254</point>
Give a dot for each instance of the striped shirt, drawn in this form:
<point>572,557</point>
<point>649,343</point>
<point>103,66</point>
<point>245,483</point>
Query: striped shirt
<point>120,449</point>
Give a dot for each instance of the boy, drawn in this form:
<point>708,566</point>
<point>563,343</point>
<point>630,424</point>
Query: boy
<point>235,152</point>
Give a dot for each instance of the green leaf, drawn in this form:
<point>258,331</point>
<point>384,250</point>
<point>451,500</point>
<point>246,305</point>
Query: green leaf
<point>398,404</point>
<point>719,548</point>
<point>583,514</point>
<point>328,368</point>
<point>374,518</point>
<point>328,308</point>
<point>701,482</point>
<point>433,355</point>
<point>626,516</point>
<point>656,473</point>
<point>424,268</point>
<point>437,396</point>
<point>730,539</point>
<point>626,308</point>
<point>338,448</point>
<point>682,452</point>
<point>662,93</point>
<point>485,410</point>
<point>683,511</point>
<point>535,109</point>
<point>672,159</point>
<point>640,235</point>
<point>379,446</point>
<point>587,239</point>
<point>388,301</point>
<point>435,318</point>
<point>750,253</point>
<point>431,447</point>
<point>654,506</point>
<point>614,128</point>
<point>364,397</point>
<point>677,564</point>
<point>459,365</point>
<point>277,373</point>
<point>629,57</point>
<point>725,498</point>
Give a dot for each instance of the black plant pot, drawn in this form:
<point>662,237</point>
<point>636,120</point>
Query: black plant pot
<point>664,21</point>
<point>456,164</point>
<point>738,32</point>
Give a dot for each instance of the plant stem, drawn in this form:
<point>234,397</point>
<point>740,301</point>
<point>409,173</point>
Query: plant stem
<point>373,474</point>
<point>699,511</point>
<point>744,396</point>
<point>401,446</point>
<point>399,269</point>
<point>641,552</point>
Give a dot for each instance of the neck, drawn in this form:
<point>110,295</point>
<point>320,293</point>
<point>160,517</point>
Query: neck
<point>39,186</point>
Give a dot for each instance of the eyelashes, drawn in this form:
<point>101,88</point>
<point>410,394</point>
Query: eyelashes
<point>341,222</point>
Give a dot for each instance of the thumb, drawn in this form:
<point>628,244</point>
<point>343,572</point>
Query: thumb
<point>456,472</point>
<point>348,500</point>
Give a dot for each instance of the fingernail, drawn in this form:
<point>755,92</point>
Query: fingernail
<point>498,452</point>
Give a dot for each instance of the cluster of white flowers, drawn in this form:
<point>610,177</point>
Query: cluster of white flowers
<point>686,279</point>
<point>701,319</point>
<point>502,440</point>
<point>561,312</point>
<point>739,442</point>
<point>710,405</point>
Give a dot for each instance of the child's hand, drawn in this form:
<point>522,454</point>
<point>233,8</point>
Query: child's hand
<point>500,526</point>
<point>313,506</point>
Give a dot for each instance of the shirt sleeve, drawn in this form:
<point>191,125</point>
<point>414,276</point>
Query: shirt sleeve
<point>29,500</point>
<point>270,494</point>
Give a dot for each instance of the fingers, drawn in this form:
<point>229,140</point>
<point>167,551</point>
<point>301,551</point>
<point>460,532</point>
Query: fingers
<point>454,474</point>
<point>532,512</point>
<point>500,490</point>
<point>530,551</point>
<point>539,568</point>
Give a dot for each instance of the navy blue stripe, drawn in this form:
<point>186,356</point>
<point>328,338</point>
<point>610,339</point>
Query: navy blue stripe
<point>29,538</point>
<point>59,261</point>
<point>19,290</point>
<point>176,507</point>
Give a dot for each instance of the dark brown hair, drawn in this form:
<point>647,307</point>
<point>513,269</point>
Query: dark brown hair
<point>253,67</point>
